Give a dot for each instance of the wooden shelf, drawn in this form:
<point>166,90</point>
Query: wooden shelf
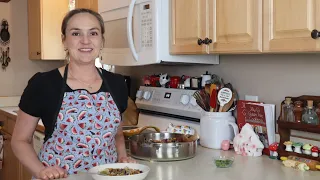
<point>299,126</point>
<point>284,129</point>
<point>284,153</point>
<point>285,132</point>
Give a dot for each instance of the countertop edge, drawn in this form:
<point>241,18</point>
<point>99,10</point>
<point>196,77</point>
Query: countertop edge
<point>12,116</point>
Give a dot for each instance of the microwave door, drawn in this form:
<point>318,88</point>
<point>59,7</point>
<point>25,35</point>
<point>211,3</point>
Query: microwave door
<point>130,34</point>
<point>116,49</point>
<point>129,30</point>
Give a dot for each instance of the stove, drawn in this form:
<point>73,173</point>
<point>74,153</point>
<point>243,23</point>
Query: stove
<point>161,106</point>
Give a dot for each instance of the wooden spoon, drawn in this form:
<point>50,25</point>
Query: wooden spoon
<point>227,106</point>
<point>224,96</point>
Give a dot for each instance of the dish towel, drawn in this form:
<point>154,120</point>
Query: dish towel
<point>1,150</point>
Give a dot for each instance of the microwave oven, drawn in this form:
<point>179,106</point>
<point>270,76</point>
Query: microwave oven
<point>138,33</point>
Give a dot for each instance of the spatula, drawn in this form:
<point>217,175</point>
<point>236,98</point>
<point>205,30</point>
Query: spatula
<point>213,97</point>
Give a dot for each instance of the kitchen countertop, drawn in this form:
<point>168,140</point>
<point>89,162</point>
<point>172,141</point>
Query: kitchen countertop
<point>10,112</point>
<point>202,167</point>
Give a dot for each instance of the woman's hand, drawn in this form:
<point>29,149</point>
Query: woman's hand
<point>127,160</point>
<point>53,172</point>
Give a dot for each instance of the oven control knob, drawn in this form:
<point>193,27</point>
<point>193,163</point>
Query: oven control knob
<point>139,94</point>
<point>185,99</point>
<point>147,95</point>
<point>193,101</point>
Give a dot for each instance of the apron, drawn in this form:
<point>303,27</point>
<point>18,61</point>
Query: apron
<point>84,133</point>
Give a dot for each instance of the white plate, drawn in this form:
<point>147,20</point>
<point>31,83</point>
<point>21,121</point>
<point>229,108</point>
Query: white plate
<point>145,170</point>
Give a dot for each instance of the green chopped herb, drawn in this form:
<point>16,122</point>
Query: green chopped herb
<point>223,163</point>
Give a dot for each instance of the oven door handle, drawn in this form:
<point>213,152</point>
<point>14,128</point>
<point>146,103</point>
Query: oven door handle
<point>129,30</point>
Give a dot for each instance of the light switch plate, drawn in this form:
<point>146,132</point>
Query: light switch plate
<point>251,98</point>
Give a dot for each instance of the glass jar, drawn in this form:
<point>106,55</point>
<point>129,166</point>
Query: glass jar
<point>318,110</point>
<point>297,110</point>
<point>287,111</point>
<point>310,116</point>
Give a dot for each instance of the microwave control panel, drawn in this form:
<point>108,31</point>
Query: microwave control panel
<point>146,26</point>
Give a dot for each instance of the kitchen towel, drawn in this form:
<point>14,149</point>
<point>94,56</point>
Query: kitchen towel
<point>1,150</point>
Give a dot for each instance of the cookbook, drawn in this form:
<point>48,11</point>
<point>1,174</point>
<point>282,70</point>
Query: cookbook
<point>261,117</point>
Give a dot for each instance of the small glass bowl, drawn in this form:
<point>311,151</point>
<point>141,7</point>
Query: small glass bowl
<point>223,161</point>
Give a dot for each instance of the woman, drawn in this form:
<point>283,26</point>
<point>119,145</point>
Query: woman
<point>79,105</point>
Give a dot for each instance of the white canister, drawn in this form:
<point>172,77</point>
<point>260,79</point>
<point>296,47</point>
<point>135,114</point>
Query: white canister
<point>216,127</point>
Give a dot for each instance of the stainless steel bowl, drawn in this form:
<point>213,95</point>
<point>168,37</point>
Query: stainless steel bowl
<point>141,146</point>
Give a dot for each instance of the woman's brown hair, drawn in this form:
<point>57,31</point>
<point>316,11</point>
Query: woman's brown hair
<point>78,11</point>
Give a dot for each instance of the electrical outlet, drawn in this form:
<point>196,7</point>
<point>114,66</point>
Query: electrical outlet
<point>251,98</point>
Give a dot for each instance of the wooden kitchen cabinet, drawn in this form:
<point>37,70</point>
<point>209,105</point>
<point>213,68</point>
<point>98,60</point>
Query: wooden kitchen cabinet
<point>12,169</point>
<point>44,29</point>
<point>11,164</point>
<point>288,25</point>
<point>244,26</point>
<point>223,26</point>
<point>189,24</point>
<point>235,26</point>
<point>89,4</point>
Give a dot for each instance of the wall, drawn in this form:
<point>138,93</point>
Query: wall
<point>14,79</point>
<point>271,77</point>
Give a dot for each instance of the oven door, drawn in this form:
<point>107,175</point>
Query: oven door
<point>128,46</point>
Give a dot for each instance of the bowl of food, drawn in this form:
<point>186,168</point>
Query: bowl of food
<point>223,161</point>
<point>117,171</point>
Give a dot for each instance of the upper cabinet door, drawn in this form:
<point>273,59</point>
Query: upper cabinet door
<point>44,29</point>
<point>235,26</point>
<point>88,4</point>
<point>189,24</point>
<point>288,25</point>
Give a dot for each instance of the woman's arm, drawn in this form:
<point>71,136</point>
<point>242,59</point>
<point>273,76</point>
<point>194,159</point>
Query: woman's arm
<point>120,144</point>
<point>22,142</point>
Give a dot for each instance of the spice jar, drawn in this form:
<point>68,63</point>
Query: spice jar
<point>297,110</point>
<point>318,110</point>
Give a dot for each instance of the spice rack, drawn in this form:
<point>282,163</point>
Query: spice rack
<point>284,128</point>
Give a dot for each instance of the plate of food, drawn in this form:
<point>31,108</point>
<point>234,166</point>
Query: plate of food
<point>117,171</point>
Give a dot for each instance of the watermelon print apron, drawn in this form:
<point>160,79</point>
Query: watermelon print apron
<point>84,134</point>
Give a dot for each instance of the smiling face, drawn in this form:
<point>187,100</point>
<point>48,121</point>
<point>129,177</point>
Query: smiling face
<point>83,38</point>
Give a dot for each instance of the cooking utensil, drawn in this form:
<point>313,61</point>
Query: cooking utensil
<point>137,130</point>
<point>233,108</point>
<point>227,106</point>
<point>202,99</point>
<point>224,96</point>
<point>213,97</point>
<point>142,146</point>
<point>129,131</point>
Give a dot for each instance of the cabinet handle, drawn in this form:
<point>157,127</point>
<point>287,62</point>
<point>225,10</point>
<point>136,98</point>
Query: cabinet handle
<point>315,34</point>
<point>207,41</point>
<point>200,42</point>
<point>38,53</point>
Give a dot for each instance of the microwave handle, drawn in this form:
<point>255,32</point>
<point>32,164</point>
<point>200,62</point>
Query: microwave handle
<point>129,30</point>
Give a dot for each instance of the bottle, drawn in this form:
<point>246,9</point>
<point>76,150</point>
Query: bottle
<point>310,116</point>
<point>318,111</point>
<point>287,111</point>
<point>297,110</point>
